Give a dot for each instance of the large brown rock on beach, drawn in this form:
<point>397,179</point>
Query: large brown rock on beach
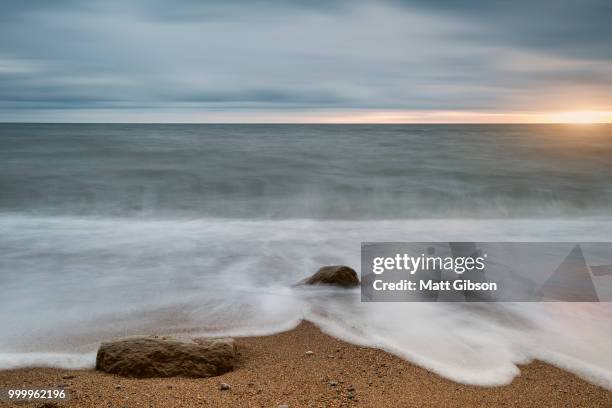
<point>339,275</point>
<point>144,357</point>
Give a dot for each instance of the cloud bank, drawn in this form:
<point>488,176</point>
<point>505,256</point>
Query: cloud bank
<point>271,60</point>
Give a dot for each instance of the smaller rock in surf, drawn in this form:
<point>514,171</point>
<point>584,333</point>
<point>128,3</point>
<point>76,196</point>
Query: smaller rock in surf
<point>337,275</point>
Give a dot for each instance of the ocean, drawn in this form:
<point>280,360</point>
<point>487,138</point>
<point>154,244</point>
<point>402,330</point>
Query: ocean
<point>355,172</point>
<point>109,230</point>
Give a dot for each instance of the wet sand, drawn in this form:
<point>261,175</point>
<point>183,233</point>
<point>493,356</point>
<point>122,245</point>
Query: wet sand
<point>275,370</point>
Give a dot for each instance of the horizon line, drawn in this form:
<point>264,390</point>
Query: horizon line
<point>300,123</point>
<point>353,117</point>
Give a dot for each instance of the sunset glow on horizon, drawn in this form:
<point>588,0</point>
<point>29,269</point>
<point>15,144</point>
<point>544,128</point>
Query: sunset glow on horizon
<point>569,117</point>
<point>582,117</point>
<point>323,116</point>
<point>418,117</point>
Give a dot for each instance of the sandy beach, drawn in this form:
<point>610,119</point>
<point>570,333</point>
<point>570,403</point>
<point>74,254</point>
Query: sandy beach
<point>276,370</point>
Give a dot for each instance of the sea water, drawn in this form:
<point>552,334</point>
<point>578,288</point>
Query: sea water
<point>114,230</point>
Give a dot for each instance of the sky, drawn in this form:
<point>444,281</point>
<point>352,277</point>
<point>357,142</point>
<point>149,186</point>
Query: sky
<point>395,61</point>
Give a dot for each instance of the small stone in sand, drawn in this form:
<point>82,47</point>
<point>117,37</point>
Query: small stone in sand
<point>118,386</point>
<point>283,406</point>
<point>333,383</point>
<point>224,386</point>
<point>309,353</point>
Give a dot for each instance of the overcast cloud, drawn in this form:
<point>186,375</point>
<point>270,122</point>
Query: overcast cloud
<point>74,60</point>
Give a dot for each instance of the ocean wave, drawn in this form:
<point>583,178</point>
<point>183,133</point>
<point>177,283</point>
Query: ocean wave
<point>74,282</point>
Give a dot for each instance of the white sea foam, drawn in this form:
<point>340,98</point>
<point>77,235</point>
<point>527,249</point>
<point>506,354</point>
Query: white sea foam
<point>72,361</point>
<point>69,283</point>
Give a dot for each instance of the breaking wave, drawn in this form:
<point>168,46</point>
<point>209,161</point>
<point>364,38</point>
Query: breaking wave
<point>76,281</point>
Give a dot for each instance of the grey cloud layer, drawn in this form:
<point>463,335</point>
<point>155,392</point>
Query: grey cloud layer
<point>285,55</point>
